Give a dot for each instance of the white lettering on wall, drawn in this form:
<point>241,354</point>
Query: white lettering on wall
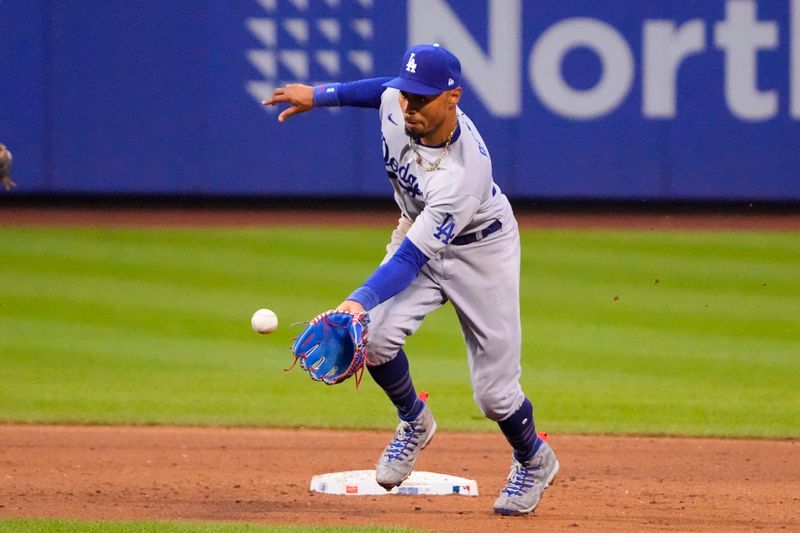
<point>496,74</point>
<point>665,48</point>
<point>493,76</point>
<point>548,54</point>
<point>741,36</point>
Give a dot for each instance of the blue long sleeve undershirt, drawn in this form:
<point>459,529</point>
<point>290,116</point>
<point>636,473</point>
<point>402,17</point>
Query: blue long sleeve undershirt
<point>361,93</point>
<point>391,277</point>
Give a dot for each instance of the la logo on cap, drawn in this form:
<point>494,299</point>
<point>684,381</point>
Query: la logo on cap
<point>411,66</point>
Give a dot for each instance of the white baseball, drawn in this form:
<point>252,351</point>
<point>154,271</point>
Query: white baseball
<point>264,321</point>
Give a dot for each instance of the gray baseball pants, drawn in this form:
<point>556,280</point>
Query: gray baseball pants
<point>481,280</point>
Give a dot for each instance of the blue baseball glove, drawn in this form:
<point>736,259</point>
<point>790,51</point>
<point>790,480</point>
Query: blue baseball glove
<point>332,347</point>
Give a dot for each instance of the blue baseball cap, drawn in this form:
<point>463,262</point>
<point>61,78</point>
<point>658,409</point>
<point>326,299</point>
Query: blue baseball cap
<point>427,69</point>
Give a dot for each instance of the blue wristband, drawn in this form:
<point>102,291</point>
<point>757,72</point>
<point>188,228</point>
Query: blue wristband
<point>327,95</point>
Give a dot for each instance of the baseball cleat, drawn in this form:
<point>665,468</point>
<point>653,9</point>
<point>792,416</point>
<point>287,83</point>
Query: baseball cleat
<point>526,482</point>
<point>397,460</point>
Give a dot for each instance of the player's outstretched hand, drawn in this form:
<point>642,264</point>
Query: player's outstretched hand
<point>299,97</point>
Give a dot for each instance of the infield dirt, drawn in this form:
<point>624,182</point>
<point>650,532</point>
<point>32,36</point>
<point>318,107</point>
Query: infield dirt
<point>263,475</point>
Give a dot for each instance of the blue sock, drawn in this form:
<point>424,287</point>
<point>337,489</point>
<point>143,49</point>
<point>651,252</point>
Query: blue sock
<point>395,380</point>
<point>520,431</point>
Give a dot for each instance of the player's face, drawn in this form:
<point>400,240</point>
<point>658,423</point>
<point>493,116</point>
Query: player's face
<point>430,118</point>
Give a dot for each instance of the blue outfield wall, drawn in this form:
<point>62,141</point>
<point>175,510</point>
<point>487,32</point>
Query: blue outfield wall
<point>577,99</point>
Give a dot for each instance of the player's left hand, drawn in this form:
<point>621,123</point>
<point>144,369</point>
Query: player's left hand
<point>7,183</point>
<point>299,96</point>
<point>352,307</point>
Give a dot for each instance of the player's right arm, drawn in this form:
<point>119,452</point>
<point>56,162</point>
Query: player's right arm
<point>302,98</point>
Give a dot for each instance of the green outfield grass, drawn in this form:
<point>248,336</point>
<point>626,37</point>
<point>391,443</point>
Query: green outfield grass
<point>624,331</point>
<point>85,526</point>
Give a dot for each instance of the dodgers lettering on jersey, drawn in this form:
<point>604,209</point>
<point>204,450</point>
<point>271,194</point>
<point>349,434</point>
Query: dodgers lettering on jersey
<point>405,179</point>
<point>459,197</point>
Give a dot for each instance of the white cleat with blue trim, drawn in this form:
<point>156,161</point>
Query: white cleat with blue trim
<point>397,460</point>
<point>526,482</point>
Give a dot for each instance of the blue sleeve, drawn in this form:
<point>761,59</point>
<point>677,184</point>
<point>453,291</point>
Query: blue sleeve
<point>391,277</point>
<point>361,93</point>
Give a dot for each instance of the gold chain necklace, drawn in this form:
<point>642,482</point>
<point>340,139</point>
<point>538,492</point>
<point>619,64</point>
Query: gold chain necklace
<point>430,167</point>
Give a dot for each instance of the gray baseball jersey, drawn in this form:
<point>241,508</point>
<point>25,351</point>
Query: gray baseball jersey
<point>480,278</point>
<point>460,196</point>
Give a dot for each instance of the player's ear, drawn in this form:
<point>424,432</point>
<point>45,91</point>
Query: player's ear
<point>455,96</point>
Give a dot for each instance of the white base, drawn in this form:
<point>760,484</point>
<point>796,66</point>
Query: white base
<point>362,483</point>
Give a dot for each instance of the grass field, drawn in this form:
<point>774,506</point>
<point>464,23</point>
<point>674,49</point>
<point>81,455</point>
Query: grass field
<point>624,331</point>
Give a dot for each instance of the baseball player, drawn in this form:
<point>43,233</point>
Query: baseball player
<point>5,168</point>
<point>457,240</point>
